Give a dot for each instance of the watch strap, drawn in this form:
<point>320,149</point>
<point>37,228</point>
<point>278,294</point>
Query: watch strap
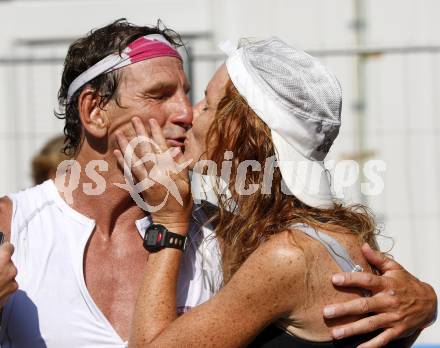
<point>158,237</point>
<point>174,240</point>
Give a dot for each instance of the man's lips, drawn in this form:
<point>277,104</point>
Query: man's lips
<point>177,142</point>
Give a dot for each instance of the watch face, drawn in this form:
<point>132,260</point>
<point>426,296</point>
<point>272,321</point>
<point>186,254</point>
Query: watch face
<point>158,237</point>
<point>154,238</point>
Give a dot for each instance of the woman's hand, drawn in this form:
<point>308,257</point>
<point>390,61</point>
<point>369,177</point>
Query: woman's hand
<point>159,170</point>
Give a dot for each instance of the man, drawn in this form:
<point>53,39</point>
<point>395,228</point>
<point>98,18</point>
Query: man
<point>80,260</point>
<point>8,272</point>
<point>79,252</point>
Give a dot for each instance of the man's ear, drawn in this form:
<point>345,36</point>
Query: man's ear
<point>93,118</point>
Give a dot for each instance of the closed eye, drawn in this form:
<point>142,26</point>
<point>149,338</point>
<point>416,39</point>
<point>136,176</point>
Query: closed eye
<point>160,91</point>
<point>162,95</point>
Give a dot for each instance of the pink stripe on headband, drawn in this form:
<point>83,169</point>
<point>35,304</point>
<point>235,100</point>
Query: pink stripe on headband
<point>143,48</point>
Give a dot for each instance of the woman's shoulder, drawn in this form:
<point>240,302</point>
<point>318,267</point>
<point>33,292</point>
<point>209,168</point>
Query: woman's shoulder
<point>282,255</point>
<point>275,270</point>
<point>332,237</point>
<point>291,250</point>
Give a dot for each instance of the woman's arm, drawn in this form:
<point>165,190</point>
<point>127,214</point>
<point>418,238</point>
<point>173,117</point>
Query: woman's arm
<point>156,303</point>
<point>258,294</point>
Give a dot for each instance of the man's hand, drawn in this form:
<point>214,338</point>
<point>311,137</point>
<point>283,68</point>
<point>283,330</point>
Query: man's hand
<point>8,272</point>
<point>401,303</point>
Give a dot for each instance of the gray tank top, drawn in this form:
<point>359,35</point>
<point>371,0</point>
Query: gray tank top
<point>336,250</point>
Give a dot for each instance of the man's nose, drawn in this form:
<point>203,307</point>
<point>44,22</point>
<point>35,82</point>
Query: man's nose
<point>184,113</point>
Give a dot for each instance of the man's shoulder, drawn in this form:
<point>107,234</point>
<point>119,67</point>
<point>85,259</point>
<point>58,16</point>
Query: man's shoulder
<point>5,216</point>
<point>5,203</point>
<point>33,196</point>
<point>25,202</point>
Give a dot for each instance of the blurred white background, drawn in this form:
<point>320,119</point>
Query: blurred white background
<point>386,54</point>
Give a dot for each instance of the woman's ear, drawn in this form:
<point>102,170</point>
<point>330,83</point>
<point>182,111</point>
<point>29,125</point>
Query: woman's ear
<point>93,118</point>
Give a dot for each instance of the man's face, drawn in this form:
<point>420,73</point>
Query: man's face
<point>204,114</point>
<point>155,88</point>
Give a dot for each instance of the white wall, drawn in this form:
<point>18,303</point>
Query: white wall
<point>402,123</point>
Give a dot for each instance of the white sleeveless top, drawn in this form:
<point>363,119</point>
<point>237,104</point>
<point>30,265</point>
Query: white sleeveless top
<point>53,307</point>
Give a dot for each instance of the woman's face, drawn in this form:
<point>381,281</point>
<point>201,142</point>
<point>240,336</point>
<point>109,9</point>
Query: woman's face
<point>203,116</point>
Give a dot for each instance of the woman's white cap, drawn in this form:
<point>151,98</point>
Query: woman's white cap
<point>300,101</point>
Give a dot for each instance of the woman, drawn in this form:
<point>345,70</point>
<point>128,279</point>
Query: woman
<point>281,243</point>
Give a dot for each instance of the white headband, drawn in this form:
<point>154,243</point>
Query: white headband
<point>146,47</point>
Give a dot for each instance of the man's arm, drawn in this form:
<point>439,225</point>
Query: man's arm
<point>5,217</point>
<point>402,304</point>
<point>8,271</point>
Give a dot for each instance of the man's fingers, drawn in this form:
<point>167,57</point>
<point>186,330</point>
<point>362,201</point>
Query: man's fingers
<point>359,306</point>
<point>373,256</point>
<point>379,260</point>
<point>13,287</point>
<point>7,292</point>
<point>7,248</point>
<point>381,340</point>
<point>365,325</point>
<point>359,280</point>
<point>6,251</point>
<point>8,272</point>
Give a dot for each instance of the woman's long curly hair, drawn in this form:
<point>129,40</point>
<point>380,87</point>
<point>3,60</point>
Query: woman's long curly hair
<point>256,217</point>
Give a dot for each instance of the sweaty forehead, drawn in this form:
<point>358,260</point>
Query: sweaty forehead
<point>163,70</point>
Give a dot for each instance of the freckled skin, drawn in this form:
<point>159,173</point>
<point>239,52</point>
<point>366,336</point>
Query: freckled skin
<point>268,286</point>
<point>320,265</point>
<point>307,320</point>
<point>285,278</point>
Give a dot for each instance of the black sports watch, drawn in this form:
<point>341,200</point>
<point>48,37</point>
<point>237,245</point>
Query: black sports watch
<point>158,237</point>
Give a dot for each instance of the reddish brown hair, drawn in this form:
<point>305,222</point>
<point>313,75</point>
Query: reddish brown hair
<point>258,216</point>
